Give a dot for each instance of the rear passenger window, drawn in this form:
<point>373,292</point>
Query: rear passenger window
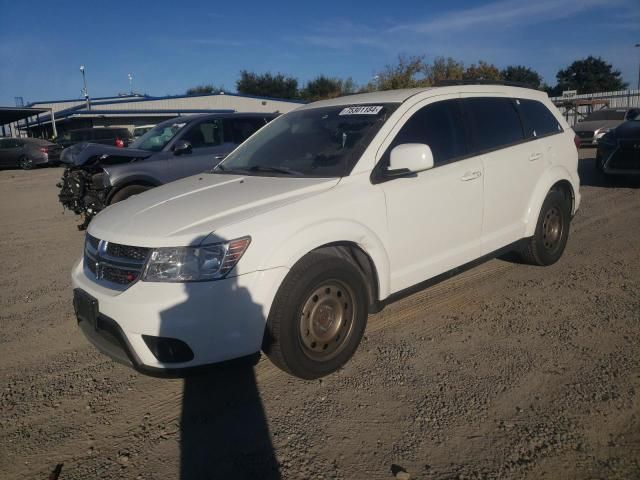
<point>494,123</point>
<point>243,128</point>
<point>537,120</point>
<point>438,125</point>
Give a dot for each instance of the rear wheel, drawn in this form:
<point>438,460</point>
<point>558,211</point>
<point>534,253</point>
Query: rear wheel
<point>26,163</point>
<point>318,317</point>
<point>127,192</point>
<point>552,231</point>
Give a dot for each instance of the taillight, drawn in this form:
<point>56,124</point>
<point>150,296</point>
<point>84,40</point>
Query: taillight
<point>119,143</point>
<point>44,149</point>
<point>576,140</point>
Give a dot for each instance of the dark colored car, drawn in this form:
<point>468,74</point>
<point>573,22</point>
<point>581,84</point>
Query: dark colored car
<point>27,153</point>
<point>597,124</point>
<point>619,150</point>
<point>116,136</point>
<point>99,175</point>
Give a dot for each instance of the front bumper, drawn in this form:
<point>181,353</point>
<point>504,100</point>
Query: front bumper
<point>218,320</point>
<point>622,158</point>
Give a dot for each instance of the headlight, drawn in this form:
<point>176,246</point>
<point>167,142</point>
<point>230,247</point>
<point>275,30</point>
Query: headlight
<point>193,264</point>
<point>601,132</point>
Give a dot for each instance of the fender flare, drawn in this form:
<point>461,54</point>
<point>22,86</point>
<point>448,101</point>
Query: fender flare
<point>544,185</point>
<point>331,232</point>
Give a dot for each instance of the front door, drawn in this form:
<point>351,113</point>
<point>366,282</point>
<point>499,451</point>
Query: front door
<point>434,217</point>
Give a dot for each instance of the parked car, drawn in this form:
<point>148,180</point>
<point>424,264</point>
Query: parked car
<point>116,136</point>
<point>141,130</point>
<point>27,153</point>
<point>619,150</point>
<point>325,215</point>
<point>597,124</point>
<point>98,175</point>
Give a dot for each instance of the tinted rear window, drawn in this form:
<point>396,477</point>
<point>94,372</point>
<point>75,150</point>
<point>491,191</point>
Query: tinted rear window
<point>606,115</point>
<point>537,120</point>
<point>494,123</point>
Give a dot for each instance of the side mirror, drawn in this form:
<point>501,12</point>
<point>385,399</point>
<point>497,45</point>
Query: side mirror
<point>181,146</point>
<point>410,158</point>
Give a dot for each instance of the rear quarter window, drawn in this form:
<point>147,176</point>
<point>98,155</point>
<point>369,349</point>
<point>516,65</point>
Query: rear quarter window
<point>537,120</point>
<point>494,123</point>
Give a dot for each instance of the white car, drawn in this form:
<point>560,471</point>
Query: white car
<point>322,217</point>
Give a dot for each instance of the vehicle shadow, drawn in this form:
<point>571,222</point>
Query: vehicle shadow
<point>224,431</point>
<point>590,177</point>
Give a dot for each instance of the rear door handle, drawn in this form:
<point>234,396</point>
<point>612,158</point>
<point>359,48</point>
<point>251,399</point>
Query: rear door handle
<point>219,157</point>
<point>471,176</point>
<point>535,156</point>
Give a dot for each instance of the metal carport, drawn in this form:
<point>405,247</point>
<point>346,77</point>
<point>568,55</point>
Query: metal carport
<point>9,115</point>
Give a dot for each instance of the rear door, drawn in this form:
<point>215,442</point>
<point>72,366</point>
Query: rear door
<point>434,217</point>
<point>512,166</point>
<point>11,149</point>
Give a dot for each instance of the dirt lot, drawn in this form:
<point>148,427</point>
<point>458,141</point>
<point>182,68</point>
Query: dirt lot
<point>507,371</point>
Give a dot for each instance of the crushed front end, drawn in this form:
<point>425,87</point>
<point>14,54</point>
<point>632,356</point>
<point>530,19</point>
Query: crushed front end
<point>84,191</point>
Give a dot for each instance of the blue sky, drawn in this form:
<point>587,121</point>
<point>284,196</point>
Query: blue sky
<point>169,46</point>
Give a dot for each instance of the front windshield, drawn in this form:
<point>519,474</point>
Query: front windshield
<point>317,142</point>
<point>156,138</point>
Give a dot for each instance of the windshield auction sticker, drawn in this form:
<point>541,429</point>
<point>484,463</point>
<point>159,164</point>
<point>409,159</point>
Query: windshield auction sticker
<point>362,110</point>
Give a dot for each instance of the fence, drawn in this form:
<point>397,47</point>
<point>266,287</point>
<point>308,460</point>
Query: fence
<point>619,99</point>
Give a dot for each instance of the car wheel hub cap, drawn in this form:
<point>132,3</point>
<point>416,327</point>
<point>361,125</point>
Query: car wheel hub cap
<point>552,228</point>
<point>326,320</point>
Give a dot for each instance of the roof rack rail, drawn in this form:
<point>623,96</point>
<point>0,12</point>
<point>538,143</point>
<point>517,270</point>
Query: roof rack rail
<point>449,83</point>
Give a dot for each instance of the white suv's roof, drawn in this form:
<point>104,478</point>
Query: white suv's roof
<point>399,96</point>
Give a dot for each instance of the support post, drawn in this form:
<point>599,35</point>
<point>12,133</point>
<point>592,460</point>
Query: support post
<point>53,124</point>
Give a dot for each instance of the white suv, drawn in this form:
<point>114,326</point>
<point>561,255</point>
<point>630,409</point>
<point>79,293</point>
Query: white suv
<point>322,217</point>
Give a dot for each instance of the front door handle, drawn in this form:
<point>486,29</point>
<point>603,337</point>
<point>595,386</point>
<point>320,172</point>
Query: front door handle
<point>535,156</point>
<point>219,157</point>
<point>471,176</point>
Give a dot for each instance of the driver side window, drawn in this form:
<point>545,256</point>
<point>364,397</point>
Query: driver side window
<point>205,134</point>
<point>438,125</point>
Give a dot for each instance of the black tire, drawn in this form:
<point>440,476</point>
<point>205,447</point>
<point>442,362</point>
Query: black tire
<point>25,163</point>
<point>552,231</point>
<point>333,294</point>
<point>127,192</point>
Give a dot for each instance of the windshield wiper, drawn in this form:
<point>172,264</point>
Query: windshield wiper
<point>267,168</point>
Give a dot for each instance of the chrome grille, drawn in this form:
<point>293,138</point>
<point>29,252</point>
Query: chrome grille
<point>114,262</point>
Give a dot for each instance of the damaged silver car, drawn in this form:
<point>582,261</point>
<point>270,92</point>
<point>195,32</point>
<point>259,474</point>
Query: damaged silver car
<point>97,175</point>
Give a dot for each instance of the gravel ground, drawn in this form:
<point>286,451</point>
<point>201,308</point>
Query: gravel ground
<point>506,371</point>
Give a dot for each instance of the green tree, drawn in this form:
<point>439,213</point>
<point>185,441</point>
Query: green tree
<point>321,87</point>
<point>590,75</point>
<point>204,89</point>
<point>444,69</point>
<point>482,71</point>
<point>267,85</point>
<point>522,74</point>
<point>408,72</point>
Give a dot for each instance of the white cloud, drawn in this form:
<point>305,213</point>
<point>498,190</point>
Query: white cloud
<point>503,13</point>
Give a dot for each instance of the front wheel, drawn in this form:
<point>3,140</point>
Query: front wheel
<point>318,317</point>
<point>127,192</point>
<point>552,231</point>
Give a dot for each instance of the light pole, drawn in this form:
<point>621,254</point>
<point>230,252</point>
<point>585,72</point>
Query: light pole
<point>85,92</point>
<point>130,83</point>
<point>638,45</point>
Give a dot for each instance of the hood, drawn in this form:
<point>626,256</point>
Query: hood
<point>184,212</point>
<point>628,130</point>
<point>594,125</point>
<point>83,154</point>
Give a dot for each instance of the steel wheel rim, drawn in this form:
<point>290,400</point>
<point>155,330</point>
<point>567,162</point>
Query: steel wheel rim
<point>326,320</point>
<point>552,228</point>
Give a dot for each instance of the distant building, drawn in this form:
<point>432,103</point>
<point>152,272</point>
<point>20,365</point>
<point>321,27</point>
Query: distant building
<point>133,110</point>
